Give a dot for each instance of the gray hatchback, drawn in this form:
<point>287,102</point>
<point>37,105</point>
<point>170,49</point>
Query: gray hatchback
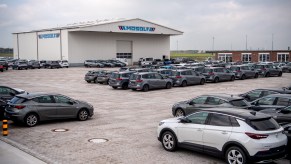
<point>244,71</point>
<point>149,80</point>
<point>30,108</point>
<point>187,77</point>
<point>120,79</point>
<point>217,74</point>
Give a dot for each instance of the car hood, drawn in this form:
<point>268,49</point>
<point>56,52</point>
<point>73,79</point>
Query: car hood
<point>83,102</point>
<point>172,120</point>
<point>19,90</point>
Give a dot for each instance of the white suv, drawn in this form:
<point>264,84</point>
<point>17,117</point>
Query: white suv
<point>238,135</point>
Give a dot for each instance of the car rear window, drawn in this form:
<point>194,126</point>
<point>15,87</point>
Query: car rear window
<point>207,70</point>
<point>174,73</point>
<point>134,77</point>
<point>239,103</point>
<point>266,124</point>
<point>17,100</point>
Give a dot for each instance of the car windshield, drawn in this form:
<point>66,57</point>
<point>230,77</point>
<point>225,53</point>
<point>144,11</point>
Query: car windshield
<point>266,124</point>
<point>239,103</point>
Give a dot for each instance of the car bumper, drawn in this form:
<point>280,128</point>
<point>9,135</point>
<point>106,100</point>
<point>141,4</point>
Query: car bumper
<point>137,87</point>
<point>13,116</point>
<point>270,155</point>
<point>89,78</point>
<point>209,78</point>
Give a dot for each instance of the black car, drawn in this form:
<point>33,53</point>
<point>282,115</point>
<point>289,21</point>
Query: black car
<point>52,64</point>
<point>7,93</point>
<point>258,93</point>
<point>271,101</point>
<point>279,114</point>
<point>33,64</point>
<point>184,108</point>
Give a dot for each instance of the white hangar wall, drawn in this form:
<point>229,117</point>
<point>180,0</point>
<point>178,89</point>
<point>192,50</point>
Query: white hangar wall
<point>100,45</point>
<point>25,46</point>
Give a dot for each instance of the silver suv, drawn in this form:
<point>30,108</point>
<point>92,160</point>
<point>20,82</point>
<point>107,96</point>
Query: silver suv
<point>119,79</point>
<point>217,74</point>
<point>243,71</point>
<point>268,70</point>
<point>149,80</point>
<point>187,77</point>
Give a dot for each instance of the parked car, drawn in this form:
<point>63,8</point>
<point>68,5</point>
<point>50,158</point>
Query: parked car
<point>271,101</point>
<point>4,64</point>
<point>52,64</point>
<point>120,79</point>
<point>186,77</point>
<point>2,109</point>
<point>7,93</point>
<point>237,135</point>
<point>258,93</point>
<point>20,64</point>
<point>267,70</point>
<point>104,77</point>
<point>64,63</point>
<point>32,108</point>
<point>217,74</point>
<point>243,71</point>
<point>287,129</point>
<point>149,80</point>
<point>279,114</point>
<point>91,76</point>
<point>187,107</point>
<point>42,63</point>
<point>286,68</point>
<point>1,68</point>
<point>32,64</point>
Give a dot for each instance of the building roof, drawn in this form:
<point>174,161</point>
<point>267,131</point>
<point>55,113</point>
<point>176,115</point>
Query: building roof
<point>135,25</point>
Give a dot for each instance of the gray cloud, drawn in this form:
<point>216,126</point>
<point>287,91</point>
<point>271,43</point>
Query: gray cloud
<point>229,21</point>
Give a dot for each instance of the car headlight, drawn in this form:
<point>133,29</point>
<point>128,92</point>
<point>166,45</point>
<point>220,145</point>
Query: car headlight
<point>161,123</point>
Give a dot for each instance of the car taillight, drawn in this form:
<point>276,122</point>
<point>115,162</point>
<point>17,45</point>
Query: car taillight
<point>119,79</point>
<point>256,136</point>
<point>139,81</point>
<point>19,106</point>
<point>178,77</point>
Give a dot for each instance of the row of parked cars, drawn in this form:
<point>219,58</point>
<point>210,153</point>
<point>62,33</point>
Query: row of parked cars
<point>245,128</point>
<point>137,78</point>
<point>32,108</point>
<point>104,63</point>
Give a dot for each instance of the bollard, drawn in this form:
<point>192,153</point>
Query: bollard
<point>5,128</point>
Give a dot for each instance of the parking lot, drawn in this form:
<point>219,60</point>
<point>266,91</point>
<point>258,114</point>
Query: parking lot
<point>127,119</point>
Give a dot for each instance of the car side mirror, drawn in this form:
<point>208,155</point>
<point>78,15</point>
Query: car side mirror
<point>191,103</point>
<point>184,120</point>
<point>285,111</point>
<point>71,102</point>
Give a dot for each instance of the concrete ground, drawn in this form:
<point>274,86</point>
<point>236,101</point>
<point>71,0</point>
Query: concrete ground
<point>128,119</point>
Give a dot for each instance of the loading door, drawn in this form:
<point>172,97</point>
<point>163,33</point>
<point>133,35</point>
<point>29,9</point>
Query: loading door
<point>124,50</point>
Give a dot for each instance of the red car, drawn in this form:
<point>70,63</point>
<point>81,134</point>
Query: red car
<point>1,68</point>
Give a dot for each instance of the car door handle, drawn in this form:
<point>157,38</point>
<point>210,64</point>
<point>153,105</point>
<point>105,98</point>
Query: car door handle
<point>224,132</point>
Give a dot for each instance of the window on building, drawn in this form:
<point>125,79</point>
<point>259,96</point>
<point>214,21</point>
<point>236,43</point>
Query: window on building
<point>264,57</point>
<point>282,57</point>
<point>246,57</point>
<point>124,55</point>
<point>225,57</point>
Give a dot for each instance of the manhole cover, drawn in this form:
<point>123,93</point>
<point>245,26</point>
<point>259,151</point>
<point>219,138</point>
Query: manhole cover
<point>60,130</point>
<point>98,140</point>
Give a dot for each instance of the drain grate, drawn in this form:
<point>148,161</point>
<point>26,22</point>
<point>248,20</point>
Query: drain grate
<point>98,140</point>
<point>60,130</point>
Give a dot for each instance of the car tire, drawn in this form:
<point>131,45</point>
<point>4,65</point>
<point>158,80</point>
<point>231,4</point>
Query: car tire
<point>184,83</point>
<point>216,80</point>
<point>145,88</point>
<point>280,74</point>
<point>267,74</point>
<point>232,78</point>
<point>256,75</point>
<point>168,86</point>
<point>202,81</point>
<point>179,112</point>
<point>235,155</point>
<point>83,115</point>
<point>124,86</point>
<point>243,77</point>
<point>114,87</point>
<point>31,119</point>
<point>88,81</point>
<point>169,141</point>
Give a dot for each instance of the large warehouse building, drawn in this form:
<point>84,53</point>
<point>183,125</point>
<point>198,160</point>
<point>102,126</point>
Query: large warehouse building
<point>128,38</point>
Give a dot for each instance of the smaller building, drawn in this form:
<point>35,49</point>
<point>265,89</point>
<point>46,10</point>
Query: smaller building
<point>253,56</point>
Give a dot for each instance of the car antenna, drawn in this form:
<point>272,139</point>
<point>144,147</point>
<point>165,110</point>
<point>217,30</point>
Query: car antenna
<point>253,113</point>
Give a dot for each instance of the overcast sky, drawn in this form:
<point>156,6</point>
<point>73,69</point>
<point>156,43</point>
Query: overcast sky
<point>231,23</point>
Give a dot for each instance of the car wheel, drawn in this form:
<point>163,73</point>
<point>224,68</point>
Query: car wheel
<point>202,81</point>
<point>168,86</point>
<point>184,83</point>
<point>179,113</point>
<point>107,82</point>
<point>232,78</point>
<point>235,155</point>
<point>267,74</point>
<point>216,79</point>
<point>83,115</point>
<point>280,74</point>
<point>124,86</point>
<point>145,88</point>
<point>88,81</point>
<point>256,75</point>
<point>1,70</point>
<point>243,77</point>
<point>31,120</point>
<point>114,87</point>
<point>169,141</point>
